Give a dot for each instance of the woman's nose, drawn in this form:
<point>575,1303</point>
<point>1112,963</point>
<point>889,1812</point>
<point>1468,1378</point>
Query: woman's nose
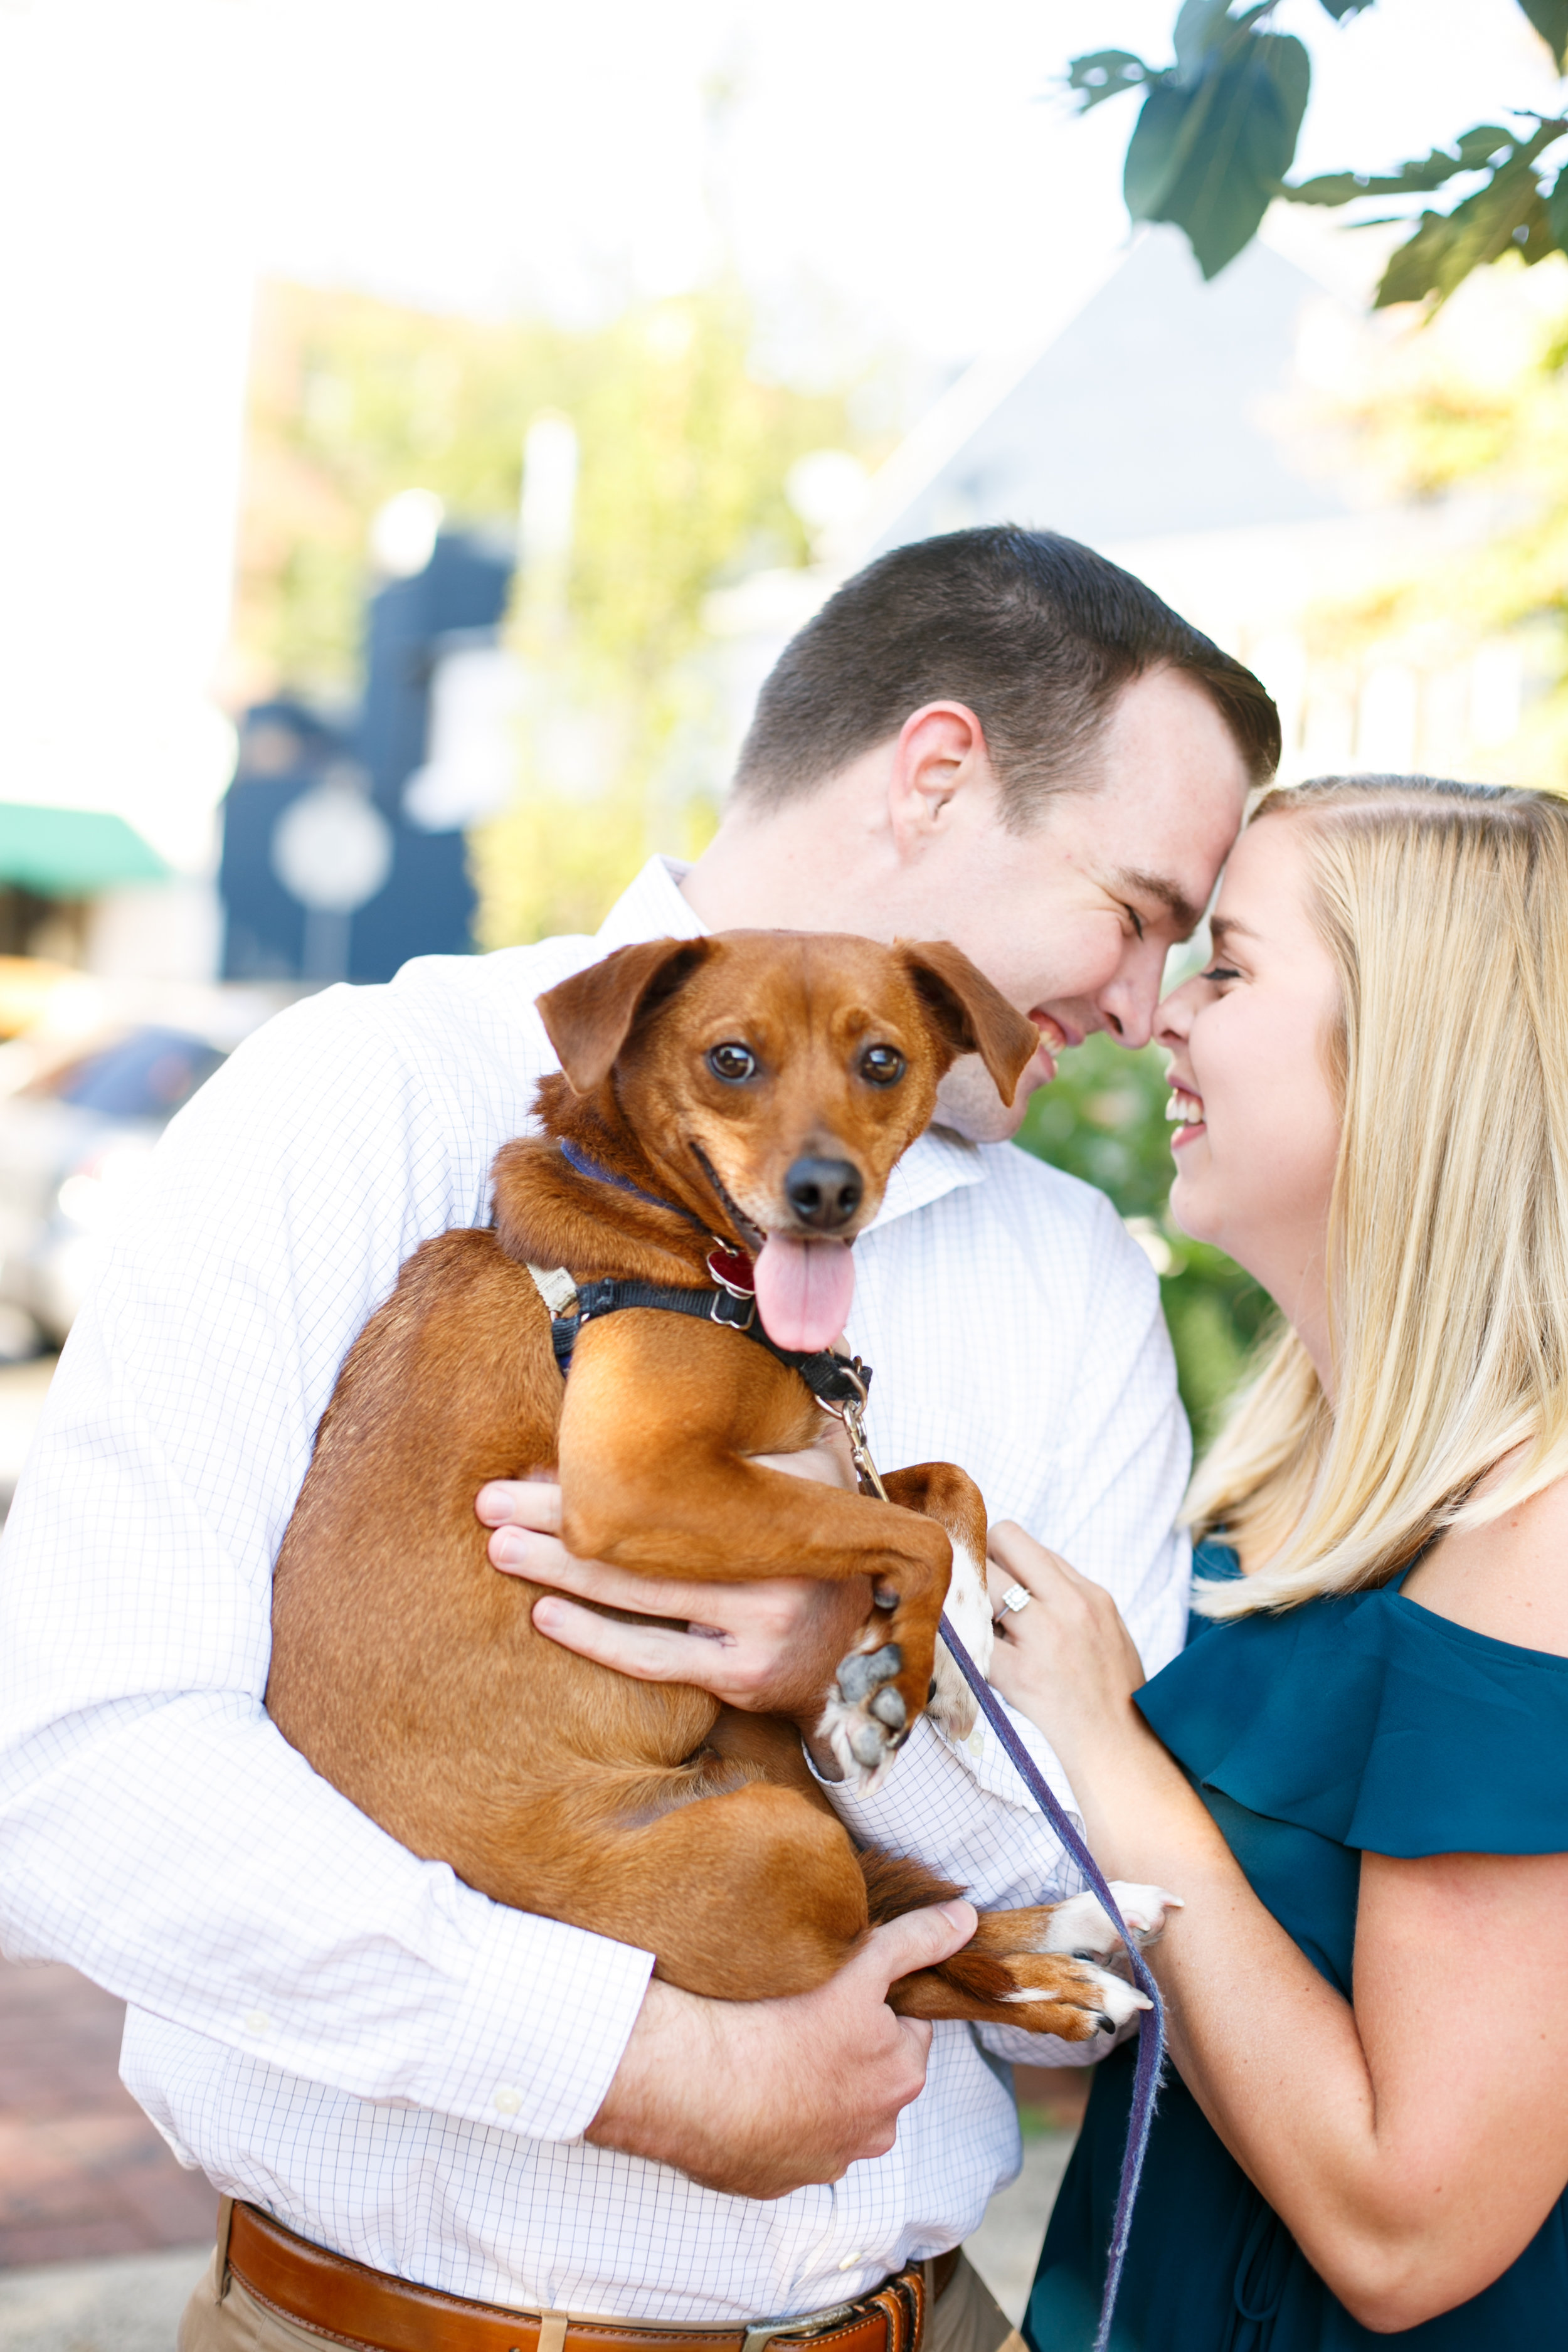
<point>1173,1020</point>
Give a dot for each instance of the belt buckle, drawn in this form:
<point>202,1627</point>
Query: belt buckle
<point>762,2332</point>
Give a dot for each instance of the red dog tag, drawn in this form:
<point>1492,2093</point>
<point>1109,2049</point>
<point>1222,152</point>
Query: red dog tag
<point>731,1270</point>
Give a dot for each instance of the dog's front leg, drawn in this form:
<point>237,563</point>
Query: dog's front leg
<point>951,1498</point>
<point>661,1425</point>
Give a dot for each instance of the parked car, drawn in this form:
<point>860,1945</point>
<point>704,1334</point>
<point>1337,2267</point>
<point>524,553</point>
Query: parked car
<point>74,1144</point>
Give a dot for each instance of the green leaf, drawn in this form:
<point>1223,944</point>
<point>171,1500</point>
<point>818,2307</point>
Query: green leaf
<point>1287,66</point>
<point>1557,210</point>
<point>1341,9</point>
<point>1106,73</point>
<point>1210,157</point>
<point>1550,18</point>
<point>1507,216</point>
<point>1161,142</point>
<point>1470,153</point>
<point>1196,25</point>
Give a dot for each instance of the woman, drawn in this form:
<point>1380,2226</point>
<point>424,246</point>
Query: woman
<point>1356,1775</point>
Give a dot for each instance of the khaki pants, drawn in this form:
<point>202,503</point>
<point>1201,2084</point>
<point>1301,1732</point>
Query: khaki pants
<point>968,2319</point>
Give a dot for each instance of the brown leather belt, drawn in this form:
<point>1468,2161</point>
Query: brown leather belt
<point>348,2303</point>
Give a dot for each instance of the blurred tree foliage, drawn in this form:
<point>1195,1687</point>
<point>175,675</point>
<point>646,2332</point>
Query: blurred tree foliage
<point>1217,130</point>
<point>1103,1118</point>
<point>1441,413</point>
<point>683,458</point>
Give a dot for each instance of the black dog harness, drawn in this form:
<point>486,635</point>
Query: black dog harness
<point>836,1381</point>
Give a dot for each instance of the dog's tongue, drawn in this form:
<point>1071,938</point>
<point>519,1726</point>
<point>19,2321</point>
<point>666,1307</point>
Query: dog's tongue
<point>803,1290</point>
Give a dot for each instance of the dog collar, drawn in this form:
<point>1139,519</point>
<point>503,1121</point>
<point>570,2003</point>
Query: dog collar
<point>586,1165</point>
<point>835,1381</point>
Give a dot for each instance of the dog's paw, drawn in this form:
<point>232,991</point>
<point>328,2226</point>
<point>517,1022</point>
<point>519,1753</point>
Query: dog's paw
<point>1144,1908</point>
<point>1083,1926</point>
<point>865,1721</point>
<point>952,1705</point>
<point>1094,2000</point>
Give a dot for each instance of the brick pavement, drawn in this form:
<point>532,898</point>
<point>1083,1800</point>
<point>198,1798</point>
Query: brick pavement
<point>82,2171</point>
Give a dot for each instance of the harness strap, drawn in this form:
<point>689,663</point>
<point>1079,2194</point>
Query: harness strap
<point>832,1380</point>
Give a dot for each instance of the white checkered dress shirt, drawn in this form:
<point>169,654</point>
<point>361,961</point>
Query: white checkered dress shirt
<point>343,2034</point>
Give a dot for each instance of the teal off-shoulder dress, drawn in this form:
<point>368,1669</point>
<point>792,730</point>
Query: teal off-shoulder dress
<point>1343,1725</point>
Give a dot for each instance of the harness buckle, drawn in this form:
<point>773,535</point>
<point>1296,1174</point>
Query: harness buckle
<point>556,1288</point>
<point>736,1309</point>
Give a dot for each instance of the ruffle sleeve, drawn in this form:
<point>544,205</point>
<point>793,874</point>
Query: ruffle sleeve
<point>1375,1723</point>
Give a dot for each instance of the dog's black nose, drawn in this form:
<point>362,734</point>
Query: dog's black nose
<point>824,1192</point>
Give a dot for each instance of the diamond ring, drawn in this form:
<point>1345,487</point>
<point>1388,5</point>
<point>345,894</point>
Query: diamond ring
<point>1017,1597</point>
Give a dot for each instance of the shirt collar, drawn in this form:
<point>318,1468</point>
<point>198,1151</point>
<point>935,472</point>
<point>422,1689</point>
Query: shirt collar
<point>652,907</point>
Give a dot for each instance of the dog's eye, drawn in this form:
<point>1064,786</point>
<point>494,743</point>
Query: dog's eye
<point>882,1065</point>
<point>734,1064</point>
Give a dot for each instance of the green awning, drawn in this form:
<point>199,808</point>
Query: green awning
<point>63,853</point>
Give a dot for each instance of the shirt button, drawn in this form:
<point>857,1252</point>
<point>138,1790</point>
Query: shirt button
<point>507,2100</point>
<point>851,2261</point>
<point>257,2022</point>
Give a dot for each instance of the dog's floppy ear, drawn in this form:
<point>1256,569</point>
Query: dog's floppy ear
<point>589,1018</point>
<point>968,1014</point>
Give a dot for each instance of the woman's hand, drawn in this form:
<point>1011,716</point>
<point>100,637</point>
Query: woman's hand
<point>768,1647</point>
<point>1066,1661</point>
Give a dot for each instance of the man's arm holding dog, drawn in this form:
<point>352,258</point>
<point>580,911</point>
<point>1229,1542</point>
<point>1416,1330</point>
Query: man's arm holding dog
<point>759,2097</point>
<point>155,1828</point>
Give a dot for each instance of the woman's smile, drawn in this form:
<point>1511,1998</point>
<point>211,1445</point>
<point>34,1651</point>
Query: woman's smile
<point>1188,1107</point>
<point>1254,1112</point>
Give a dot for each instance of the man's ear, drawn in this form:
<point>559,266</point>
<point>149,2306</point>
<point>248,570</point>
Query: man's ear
<point>967,1013</point>
<point>589,1018</point>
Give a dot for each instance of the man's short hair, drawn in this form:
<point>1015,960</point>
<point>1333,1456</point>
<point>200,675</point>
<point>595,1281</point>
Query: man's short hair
<point>1037,635</point>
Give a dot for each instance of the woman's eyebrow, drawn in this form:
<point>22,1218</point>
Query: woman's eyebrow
<point>1222,926</point>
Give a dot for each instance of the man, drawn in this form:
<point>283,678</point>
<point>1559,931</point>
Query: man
<point>995,738</point>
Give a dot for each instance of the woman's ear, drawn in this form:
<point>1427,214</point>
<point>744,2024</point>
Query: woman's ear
<point>589,1018</point>
<point>968,1014</point>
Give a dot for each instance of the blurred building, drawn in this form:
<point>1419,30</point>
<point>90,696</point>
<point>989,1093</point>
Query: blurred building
<point>343,850</point>
<point>1189,432</point>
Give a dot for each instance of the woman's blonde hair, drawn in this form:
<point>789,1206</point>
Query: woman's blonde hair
<point>1445,909</point>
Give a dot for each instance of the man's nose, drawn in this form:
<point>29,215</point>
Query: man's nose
<point>1129,1004</point>
<point>824,1194</point>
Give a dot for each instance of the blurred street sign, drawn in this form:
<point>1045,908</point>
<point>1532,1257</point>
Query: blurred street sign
<point>330,849</point>
<point>334,852</point>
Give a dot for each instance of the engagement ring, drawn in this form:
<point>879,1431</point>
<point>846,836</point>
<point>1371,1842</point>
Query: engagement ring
<point>1016,1597</point>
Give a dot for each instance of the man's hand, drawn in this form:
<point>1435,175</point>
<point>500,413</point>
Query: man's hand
<point>760,2098</point>
<point>771,1647</point>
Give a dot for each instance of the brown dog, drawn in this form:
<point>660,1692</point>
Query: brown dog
<point>750,1092</point>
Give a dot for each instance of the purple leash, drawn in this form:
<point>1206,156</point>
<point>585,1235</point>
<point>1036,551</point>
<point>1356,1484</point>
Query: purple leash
<point>1150,2033</point>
